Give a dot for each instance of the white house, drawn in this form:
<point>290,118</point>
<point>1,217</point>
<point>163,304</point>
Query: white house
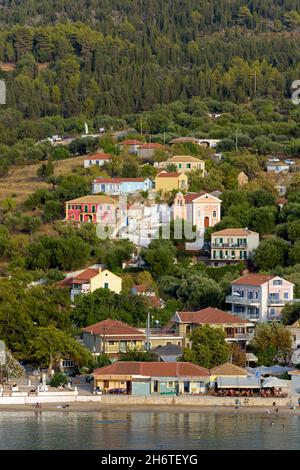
<point>260,297</point>
<point>97,159</point>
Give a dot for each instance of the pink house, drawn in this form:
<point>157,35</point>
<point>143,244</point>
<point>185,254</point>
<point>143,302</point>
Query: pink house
<point>93,209</point>
<point>201,209</point>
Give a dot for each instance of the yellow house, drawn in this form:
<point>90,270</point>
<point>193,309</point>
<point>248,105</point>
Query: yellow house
<point>165,182</point>
<point>112,337</point>
<point>186,163</point>
<point>88,280</point>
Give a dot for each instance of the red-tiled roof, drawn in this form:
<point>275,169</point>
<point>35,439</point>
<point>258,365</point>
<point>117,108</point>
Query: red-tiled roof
<point>87,275</point>
<point>153,369</point>
<point>209,315</point>
<point>235,232</point>
<point>112,328</point>
<point>281,201</point>
<point>118,180</point>
<point>142,288</point>
<point>164,174</point>
<point>253,279</point>
<point>189,197</point>
<point>151,146</point>
<point>99,156</point>
<point>131,142</point>
<point>81,278</point>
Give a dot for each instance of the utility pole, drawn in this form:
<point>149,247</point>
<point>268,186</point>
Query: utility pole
<point>148,332</point>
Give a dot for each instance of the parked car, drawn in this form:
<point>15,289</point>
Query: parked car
<point>274,160</point>
<point>290,162</point>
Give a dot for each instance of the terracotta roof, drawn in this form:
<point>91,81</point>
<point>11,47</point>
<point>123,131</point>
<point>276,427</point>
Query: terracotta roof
<point>141,288</point>
<point>184,158</point>
<point>189,197</point>
<point>150,146</point>
<point>253,279</point>
<point>118,180</point>
<point>281,200</point>
<point>235,232</point>
<point>228,369</point>
<point>131,142</point>
<point>87,275</point>
<point>93,199</point>
<point>112,328</point>
<point>294,372</point>
<point>209,315</point>
<point>153,369</point>
<point>99,156</point>
<point>164,174</point>
<point>81,278</point>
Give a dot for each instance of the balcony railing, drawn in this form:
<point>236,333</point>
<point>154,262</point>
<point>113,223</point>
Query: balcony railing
<point>229,245</point>
<point>233,299</point>
<point>272,301</point>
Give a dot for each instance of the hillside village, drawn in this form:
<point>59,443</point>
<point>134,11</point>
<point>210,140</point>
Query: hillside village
<point>141,268</point>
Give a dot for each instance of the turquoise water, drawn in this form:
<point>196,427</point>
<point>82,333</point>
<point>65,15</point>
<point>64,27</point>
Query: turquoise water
<point>148,430</point>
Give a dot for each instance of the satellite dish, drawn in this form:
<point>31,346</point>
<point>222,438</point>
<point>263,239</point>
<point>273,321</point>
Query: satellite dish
<point>296,357</point>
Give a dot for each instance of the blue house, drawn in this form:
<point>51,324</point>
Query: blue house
<point>121,185</point>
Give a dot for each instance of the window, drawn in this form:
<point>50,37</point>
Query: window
<point>199,213</point>
<point>200,384</point>
<point>86,208</point>
<point>68,363</point>
<point>93,209</point>
<point>170,384</point>
<point>108,208</point>
<point>286,295</point>
<point>214,214</point>
<point>188,165</point>
<point>106,285</point>
<point>179,165</point>
<point>277,282</point>
<point>111,343</point>
<point>272,311</point>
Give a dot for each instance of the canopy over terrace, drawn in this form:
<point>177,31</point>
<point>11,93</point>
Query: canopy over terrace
<point>274,382</point>
<point>238,382</point>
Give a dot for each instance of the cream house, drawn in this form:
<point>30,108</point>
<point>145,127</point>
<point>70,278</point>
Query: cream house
<point>88,280</point>
<point>186,163</point>
<point>232,245</point>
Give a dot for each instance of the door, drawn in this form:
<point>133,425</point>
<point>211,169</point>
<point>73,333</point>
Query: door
<point>186,387</point>
<point>128,387</point>
<point>206,222</point>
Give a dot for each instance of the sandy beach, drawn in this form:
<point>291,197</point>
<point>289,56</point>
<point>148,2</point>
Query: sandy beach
<point>97,407</point>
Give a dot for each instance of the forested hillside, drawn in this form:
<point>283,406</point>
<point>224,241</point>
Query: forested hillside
<point>126,56</point>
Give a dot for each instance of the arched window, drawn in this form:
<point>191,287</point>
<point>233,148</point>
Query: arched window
<point>214,213</point>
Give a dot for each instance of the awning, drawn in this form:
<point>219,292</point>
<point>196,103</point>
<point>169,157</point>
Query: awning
<point>238,382</point>
<point>251,357</point>
<point>271,382</point>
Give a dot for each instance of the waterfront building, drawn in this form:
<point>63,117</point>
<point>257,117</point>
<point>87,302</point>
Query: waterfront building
<point>152,378</point>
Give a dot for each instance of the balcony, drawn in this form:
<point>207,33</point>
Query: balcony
<point>230,245</point>
<point>279,302</point>
<point>234,299</point>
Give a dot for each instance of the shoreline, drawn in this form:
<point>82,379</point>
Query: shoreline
<point>115,407</point>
